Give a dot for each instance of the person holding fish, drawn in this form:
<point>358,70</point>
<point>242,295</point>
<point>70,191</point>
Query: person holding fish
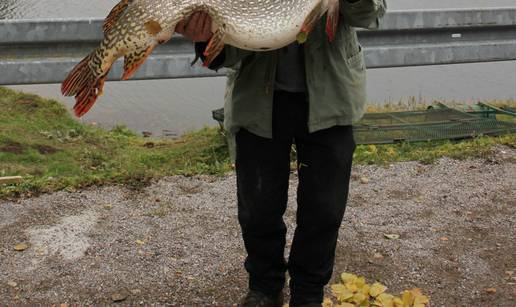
<point>304,94</point>
<point>296,77</point>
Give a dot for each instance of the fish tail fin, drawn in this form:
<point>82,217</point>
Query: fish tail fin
<point>332,19</point>
<point>134,60</point>
<point>215,46</point>
<point>82,83</point>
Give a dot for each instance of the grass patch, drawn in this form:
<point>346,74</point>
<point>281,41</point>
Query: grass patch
<point>428,152</point>
<point>40,141</point>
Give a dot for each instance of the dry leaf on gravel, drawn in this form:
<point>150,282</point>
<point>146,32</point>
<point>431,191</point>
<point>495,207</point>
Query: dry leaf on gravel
<point>140,242</point>
<point>327,303</point>
<point>21,247</point>
<point>377,289</point>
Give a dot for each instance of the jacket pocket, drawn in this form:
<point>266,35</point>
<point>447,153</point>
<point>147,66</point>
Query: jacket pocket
<point>356,60</point>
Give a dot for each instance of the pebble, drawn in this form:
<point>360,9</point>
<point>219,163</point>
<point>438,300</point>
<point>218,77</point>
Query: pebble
<point>119,296</point>
<point>378,256</point>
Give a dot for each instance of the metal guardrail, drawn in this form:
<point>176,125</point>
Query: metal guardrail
<point>44,51</point>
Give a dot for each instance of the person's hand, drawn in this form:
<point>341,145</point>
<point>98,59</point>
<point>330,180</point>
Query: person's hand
<point>197,28</point>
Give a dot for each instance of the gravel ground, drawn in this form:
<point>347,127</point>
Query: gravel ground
<point>178,241</point>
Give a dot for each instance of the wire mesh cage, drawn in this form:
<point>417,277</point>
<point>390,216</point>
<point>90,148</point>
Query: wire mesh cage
<point>438,122</point>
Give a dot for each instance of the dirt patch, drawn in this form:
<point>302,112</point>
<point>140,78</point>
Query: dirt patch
<point>178,241</point>
<point>19,148</point>
<point>45,149</point>
<point>68,238</point>
<point>12,147</point>
<point>149,145</point>
<point>28,103</point>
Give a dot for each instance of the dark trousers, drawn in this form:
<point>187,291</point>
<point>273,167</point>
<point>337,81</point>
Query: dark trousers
<point>263,168</point>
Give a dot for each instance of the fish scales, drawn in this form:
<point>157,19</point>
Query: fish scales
<point>135,27</point>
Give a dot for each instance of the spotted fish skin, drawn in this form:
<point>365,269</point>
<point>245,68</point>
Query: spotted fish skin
<point>135,27</point>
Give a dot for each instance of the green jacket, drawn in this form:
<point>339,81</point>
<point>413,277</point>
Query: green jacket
<point>335,74</point>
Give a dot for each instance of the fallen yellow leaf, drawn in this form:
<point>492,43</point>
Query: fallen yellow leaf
<point>360,282</point>
<point>347,277</point>
<point>21,247</point>
<point>421,300</point>
<point>366,289</point>
<point>358,298</point>
<point>377,289</point>
<point>491,290</point>
<point>352,287</point>
<point>398,302</point>
<point>345,295</point>
<point>140,242</point>
<point>385,300</point>
<point>408,298</point>
<point>337,289</point>
<point>327,303</point>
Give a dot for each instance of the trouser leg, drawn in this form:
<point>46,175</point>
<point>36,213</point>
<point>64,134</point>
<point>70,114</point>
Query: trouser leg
<point>324,161</point>
<point>263,169</point>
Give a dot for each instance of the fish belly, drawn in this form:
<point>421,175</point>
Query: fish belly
<point>263,29</point>
<point>254,42</point>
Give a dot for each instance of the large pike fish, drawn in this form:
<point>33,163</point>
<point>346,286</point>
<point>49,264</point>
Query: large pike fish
<point>135,27</point>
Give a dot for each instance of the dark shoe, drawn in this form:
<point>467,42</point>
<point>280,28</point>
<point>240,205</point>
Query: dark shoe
<point>307,305</point>
<point>258,299</point>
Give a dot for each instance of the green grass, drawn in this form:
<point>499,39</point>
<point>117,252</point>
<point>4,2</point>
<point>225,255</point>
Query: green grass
<point>52,151</point>
<point>40,141</point>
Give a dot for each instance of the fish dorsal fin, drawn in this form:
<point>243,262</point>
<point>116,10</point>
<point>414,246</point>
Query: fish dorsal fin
<point>115,14</point>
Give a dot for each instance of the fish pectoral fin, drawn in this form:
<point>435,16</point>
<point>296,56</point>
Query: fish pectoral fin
<point>332,19</point>
<point>134,60</point>
<point>115,14</point>
<point>215,46</point>
<point>309,23</point>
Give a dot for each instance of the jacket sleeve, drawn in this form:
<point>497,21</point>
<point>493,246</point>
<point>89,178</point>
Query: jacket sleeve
<point>229,57</point>
<point>363,13</point>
